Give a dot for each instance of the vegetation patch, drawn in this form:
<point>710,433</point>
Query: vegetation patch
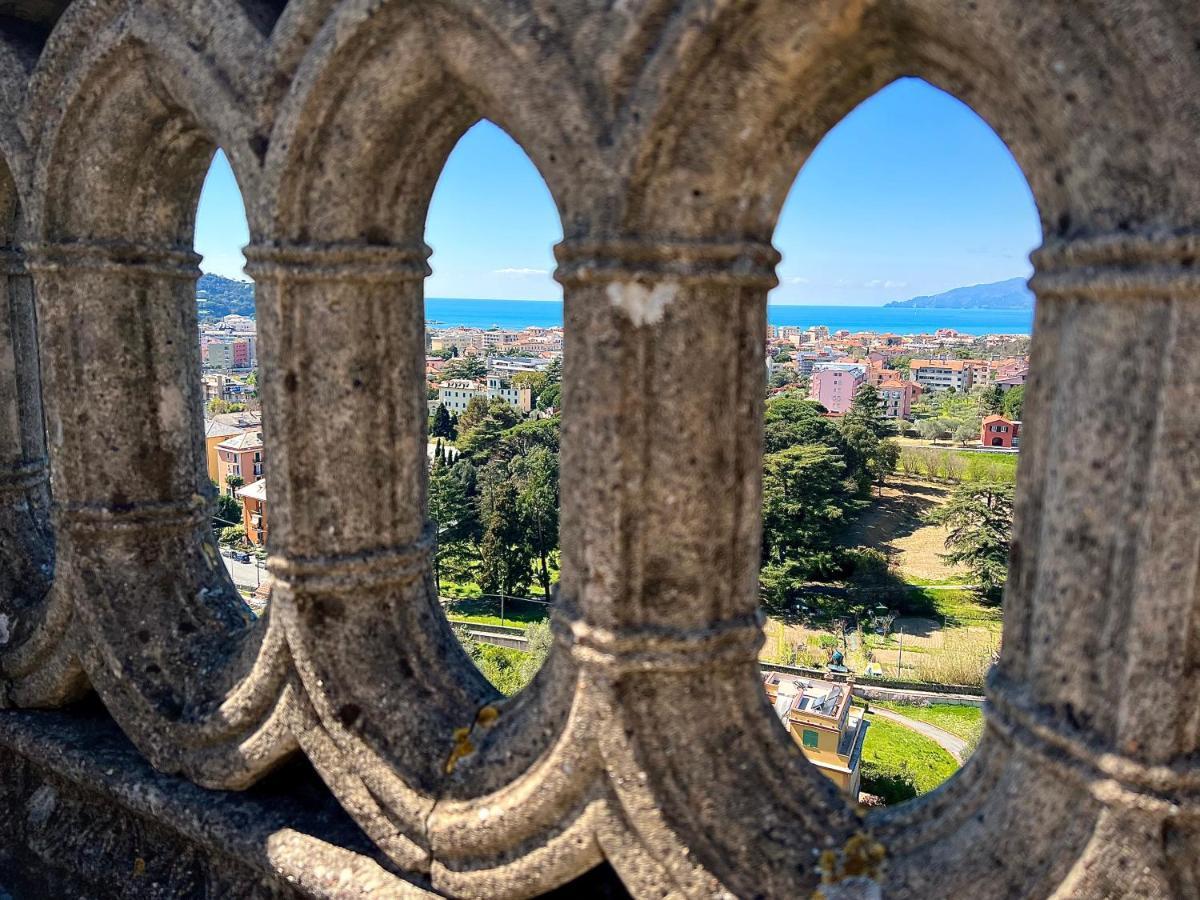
<point>895,756</point>
<point>961,721</point>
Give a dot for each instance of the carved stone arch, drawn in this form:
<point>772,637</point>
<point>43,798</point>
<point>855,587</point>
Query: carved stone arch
<point>378,103</point>
<point>732,122</point>
<point>37,665</point>
<point>209,89</point>
<point>175,654</point>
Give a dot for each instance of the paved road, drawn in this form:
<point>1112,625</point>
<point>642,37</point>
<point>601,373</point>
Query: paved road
<point>246,575</point>
<point>952,744</point>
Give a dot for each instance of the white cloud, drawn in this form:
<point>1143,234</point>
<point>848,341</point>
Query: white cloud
<point>885,283</point>
<point>521,272</point>
<point>798,279</point>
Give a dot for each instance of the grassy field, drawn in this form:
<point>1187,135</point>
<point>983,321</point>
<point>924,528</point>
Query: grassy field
<point>965,722</point>
<point>895,524</point>
<point>893,750</point>
<point>486,611</point>
<point>943,633</point>
<point>944,463</point>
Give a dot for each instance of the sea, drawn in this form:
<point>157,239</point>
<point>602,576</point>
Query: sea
<point>517,314</point>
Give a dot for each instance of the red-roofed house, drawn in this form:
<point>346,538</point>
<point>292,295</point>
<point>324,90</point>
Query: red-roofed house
<point>998,431</point>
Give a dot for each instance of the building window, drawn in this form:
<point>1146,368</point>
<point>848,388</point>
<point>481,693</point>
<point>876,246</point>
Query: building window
<point>810,738</point>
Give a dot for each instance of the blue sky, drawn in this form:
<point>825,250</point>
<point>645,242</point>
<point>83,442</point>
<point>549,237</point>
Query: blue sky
<point>910,194</point>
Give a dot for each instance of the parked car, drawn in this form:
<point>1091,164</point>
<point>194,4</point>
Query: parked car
<point>240,556</point>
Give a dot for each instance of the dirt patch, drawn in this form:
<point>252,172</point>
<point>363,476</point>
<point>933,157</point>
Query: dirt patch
<point>895,525</point>
<point>919,632</point>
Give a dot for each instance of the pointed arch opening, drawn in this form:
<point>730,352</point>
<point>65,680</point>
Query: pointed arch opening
<point>172,645</point>
<point>234,440</point>
<point>898,344</point>
<point>494,342</point>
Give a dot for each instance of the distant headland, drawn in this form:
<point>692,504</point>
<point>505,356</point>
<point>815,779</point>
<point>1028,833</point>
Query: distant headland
<point>1012,293</point>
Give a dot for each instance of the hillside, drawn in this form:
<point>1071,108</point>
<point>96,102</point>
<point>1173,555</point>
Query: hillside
<point>1013,293</point>
<point>217,297</point>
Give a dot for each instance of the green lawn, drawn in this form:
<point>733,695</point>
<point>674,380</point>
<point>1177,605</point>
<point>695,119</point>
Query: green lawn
<point>951,604</point>
<point>965,722</point>
<point>487,612</point>
<point>892,749</point>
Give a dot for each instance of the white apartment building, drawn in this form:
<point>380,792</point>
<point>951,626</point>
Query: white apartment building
<point>502,389</point>
<point>511,365</point>
<point>942,374</point>
<point>456,393</point>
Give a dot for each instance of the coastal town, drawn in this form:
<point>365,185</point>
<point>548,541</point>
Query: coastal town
<point>494,399</point>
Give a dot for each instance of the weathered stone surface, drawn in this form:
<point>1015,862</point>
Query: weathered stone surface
<point>669,135</point>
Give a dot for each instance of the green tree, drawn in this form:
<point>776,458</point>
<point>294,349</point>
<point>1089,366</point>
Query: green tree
<point>803,502</point>
<point>991,400</point>
<point>441,426</point>
<point>980,518</point>
<point>1014,403</point>
<point>234,534</point>
<point>536,476</point>
<point>550,392</point>
<point>233,482</point>
<point>965,433</point>
<point>480,438</point>
<point>790,420</point>
<point>866,409</point>
<point>452,511</point>
<point>227,512</point>
<point>505,558</point>
<point>525,436</point>
<point>782,378</point>
<point>216,406</point>
<point>929,429</point>
<point>868,457</point>
<point>472,367</point>
<point>476,411</point>
<point>883,462</point>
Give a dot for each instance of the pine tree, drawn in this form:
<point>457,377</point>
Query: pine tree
<point>504,553</point>
<point>980,517</point>
<point>536,475</point>
<point>442,426</point>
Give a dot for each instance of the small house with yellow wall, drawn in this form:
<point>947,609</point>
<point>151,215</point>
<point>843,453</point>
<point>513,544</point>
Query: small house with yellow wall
<point>819,717</point>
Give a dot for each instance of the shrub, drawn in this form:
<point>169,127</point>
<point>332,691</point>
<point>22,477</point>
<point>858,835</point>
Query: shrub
<point>890,785</point>
<point>865,563</point>
<point>234,534</point>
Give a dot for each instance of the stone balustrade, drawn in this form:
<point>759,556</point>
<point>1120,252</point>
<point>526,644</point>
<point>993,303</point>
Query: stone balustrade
<point>159,741</point>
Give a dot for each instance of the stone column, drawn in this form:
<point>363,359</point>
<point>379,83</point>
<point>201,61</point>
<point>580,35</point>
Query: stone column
<point>164,637</point>
<point>342,342</point>
<point>1099,677</point>
<point>27,636</point>
<point>661,456</point>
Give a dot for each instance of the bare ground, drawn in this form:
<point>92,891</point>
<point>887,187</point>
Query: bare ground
<point>894,524</point>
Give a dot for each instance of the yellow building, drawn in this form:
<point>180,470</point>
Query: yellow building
<point>819,717</point>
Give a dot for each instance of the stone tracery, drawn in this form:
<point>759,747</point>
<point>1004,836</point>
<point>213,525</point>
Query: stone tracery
<point>668,138</point>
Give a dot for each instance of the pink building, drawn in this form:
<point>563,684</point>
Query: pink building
<point>897,397</point>
<point>241,354</point>
<point>834,388</point>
